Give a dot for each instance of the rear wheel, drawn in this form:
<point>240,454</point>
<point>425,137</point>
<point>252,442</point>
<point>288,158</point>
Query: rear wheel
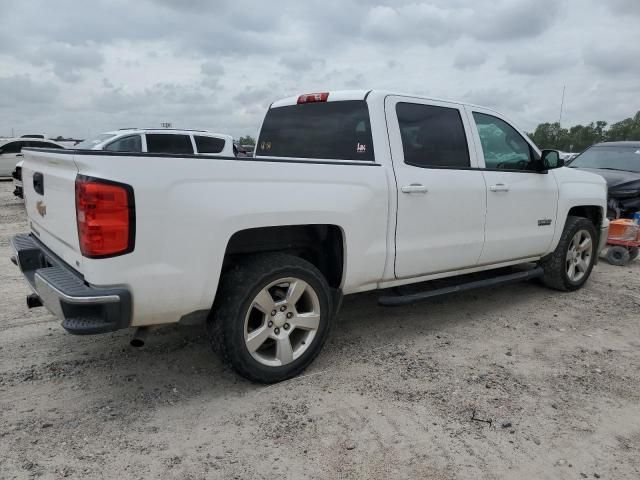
<point>633,253</point>
<point>570,265</point>
<point>271,317</point>
<point>619,256</point>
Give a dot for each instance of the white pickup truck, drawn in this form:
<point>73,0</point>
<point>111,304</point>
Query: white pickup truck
<point>348,191</point>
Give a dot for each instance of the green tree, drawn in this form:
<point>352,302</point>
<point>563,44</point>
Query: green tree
<point>627,129</point>
<point>579,137</point>
<point>247,140</point>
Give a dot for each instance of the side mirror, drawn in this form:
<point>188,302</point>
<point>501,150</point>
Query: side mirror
<point>551,159</point>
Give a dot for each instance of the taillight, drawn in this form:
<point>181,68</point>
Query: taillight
<point>313,97</point>
<point>105,212</point>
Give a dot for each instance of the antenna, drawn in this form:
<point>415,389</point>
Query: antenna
<point>560,117</point>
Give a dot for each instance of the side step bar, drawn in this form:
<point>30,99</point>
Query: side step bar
<point>396,300</point>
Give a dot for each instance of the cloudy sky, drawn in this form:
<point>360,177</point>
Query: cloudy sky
<point>76,68</point>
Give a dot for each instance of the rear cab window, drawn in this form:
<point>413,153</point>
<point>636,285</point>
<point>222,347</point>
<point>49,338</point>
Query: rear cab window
<point>169,143</point>
<point>338,130</point>
<point>209,144</point>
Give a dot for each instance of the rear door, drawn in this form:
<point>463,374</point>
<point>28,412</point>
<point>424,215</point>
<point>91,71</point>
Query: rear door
<point>48,180</point>
<point>521,201</point>
<point>441,194</point>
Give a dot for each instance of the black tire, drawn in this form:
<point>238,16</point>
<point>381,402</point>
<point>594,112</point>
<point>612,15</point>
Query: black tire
<point>633,253</point>
<point>618,255</point>
<point>236,293</point>
<point>555,265</point>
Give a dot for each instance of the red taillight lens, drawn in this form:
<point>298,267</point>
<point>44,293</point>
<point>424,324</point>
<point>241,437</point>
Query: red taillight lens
<point>106,217</point>
<point>313,97</point>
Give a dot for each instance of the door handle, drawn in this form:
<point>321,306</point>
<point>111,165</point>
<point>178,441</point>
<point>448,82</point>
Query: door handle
<point>19,154</point>
<point>500,187</point>
<point>414,188</point>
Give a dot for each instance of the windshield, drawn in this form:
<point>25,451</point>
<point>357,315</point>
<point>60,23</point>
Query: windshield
<point>612,158</point>
<point>92,142</point>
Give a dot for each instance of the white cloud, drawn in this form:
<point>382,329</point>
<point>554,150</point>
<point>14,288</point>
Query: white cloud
<point>84,67</point>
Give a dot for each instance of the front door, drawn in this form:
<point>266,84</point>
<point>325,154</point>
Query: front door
<point>521,201</point>
<point>441,195</point>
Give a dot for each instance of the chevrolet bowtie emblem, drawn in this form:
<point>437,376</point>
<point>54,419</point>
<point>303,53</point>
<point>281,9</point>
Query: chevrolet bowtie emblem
<point>41,207</point>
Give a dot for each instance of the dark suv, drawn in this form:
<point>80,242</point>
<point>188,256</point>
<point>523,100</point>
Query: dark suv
<point>619,164</point>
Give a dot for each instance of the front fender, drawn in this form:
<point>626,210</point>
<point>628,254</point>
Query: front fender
<point>578,189</point>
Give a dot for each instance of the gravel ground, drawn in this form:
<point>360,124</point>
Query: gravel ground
<point>513,382</point>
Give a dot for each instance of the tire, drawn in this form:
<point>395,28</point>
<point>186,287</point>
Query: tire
<point>557,267</point>
<point>618,255</point>
<point>271,346</point>
<point>633,253</point>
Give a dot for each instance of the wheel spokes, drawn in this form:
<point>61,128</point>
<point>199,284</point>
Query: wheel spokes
<point>582,265</point>
<point>585,244</point>
<point>306,321</point>
<point>264,301</point>
<point>257,338</point>
<point>295,291</point>
<point>284,351</point>
<point>282,321</point>
<point>571,271</point>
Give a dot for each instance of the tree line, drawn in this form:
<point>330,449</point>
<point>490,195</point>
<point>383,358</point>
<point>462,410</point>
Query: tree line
<point>579,137</point>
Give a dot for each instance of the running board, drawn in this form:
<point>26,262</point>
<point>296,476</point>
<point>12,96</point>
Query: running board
<point>396,300</point>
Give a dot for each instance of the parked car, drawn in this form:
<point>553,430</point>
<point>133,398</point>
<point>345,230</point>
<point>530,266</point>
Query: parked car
<point>619,164</point>
<point>11,151</point>
<point>243,150</point>
<point>145,140</point>
<point>348,192</point>
<point>248,149</point>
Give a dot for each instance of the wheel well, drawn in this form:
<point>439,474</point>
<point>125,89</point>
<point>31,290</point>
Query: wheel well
<point>321,245</point>
<point>592,212</point>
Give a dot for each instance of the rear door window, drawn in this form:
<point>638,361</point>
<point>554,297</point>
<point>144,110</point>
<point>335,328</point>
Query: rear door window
<point>209,144</point>
<point>130,143</point>
<point>167,143</point>
<point>327,130</point>
<point>432,136</point>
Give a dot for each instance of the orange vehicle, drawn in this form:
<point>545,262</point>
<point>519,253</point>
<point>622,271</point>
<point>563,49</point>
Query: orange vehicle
<point>623,241</point>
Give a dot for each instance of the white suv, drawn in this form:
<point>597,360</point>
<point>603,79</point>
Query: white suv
<point>11,151</point>
<point>180,142</point>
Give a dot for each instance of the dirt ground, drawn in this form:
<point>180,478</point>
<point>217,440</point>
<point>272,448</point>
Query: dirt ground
<point>513,382</point>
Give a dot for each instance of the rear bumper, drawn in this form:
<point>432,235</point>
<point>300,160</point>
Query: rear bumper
<point>83,309</point>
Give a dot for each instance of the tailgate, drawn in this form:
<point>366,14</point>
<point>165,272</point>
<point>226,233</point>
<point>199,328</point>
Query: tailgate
<point>48,178</point>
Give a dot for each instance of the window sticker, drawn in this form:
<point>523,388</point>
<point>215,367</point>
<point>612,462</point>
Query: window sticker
<point>361,148</point>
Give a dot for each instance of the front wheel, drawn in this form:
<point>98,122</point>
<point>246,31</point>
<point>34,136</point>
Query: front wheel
<point>271,317</point>
<point>570,265</point>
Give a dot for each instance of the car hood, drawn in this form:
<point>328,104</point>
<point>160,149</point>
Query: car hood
<point>620,183</point>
